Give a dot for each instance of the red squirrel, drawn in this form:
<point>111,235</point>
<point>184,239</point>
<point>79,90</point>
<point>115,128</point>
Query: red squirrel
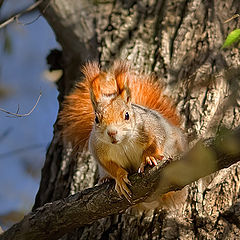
<point>124,118</point>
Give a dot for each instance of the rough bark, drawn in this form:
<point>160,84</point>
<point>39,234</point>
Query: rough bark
<point>180,41</point>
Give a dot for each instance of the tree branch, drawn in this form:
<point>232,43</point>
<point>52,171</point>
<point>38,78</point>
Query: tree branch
<point>55,219</point>
<point>25,114</point>
<point>15,16</point>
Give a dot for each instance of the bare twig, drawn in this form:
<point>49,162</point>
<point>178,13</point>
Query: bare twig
<point>233,17</point>
<point>35,19</point>
<point>25,114</point>
<point>15,16</point>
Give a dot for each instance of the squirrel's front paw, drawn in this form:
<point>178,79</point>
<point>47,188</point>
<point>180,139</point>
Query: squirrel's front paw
<point>149,160</point>
<point>121,186</point>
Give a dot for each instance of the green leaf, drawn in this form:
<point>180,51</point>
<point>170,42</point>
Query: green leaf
<point>232,38</point>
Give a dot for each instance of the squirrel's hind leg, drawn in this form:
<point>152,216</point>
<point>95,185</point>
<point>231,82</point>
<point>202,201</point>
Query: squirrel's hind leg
<point>120,175</point>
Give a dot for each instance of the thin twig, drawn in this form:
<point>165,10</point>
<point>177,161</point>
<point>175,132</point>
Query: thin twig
<point>32,21</point>
<point>35,19</point>
<point>233,17</point>
<point>18,109</point>
<point>19,14</point>
<point>25,114</point>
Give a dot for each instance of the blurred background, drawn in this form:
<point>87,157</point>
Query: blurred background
<point>24,47</point>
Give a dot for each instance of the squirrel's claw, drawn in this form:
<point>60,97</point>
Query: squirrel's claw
<point>122,188</point>
<point>149,160</point>
<point>105,179</point>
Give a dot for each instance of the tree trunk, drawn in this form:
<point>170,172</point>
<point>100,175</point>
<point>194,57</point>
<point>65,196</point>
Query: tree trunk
<point>180,42</point>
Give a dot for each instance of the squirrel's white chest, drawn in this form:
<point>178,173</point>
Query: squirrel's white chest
<point>127,155</point>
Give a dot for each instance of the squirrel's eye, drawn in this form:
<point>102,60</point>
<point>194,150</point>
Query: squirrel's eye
<point>126,116</point>
<point>97,120</point>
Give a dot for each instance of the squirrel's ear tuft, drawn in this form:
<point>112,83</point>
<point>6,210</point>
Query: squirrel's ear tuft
<point>122,86</point>
<point>95,92</point>
<point>91,72</point>
<point>126,95</point>
<point>121,70</point>
<point>120,66</point>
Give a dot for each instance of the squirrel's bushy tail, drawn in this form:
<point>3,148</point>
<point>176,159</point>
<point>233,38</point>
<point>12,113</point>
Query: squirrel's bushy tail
<point>77,115</point>
<point>146,91</point>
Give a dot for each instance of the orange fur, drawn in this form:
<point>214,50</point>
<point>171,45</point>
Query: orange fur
<point>148,93</point>
<point>77,114</point>
<point>145,91</point>
<point>120,74</point>
<point>91,71</point>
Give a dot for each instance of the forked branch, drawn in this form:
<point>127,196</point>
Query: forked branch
<point>22,115</point>
<point>16,16</point>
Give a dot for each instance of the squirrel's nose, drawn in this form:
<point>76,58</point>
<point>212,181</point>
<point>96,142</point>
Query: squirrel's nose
<point>112,133</point>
